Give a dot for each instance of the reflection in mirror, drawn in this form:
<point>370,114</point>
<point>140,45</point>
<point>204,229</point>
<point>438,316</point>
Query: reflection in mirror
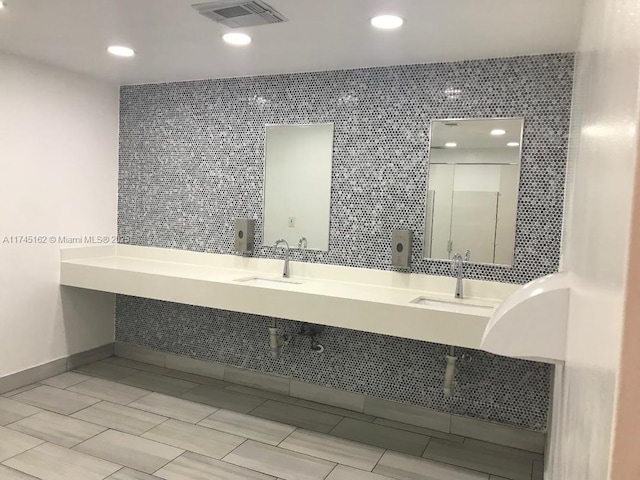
<point>297,185</point>
<point>472,196</point>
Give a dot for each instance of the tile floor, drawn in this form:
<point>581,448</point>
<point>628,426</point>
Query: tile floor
<point>124,420</point>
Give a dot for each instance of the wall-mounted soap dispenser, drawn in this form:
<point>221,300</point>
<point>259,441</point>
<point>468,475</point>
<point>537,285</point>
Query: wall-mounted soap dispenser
<point>245,228</point>
<point>401,242</point>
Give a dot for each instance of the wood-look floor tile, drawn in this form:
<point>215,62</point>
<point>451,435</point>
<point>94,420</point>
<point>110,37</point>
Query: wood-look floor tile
<point>248,426</point>
<point>338,450</point>
<point>55,428</point>
<point>55,400</point>
<point>221,398</point>
<point>194,438</point>
<point>279,462</point>
<point>134,452</point>
<point>480,459</point>
<point>120,417</point>
<point>108,370</point>
<point>12,411</point>
<point>130,474</point>
<point>7,473</point>
<point>21,389</point>
<point>407,467</point>
<point>173,407</point>
<point>191,466</point>
<point>348,473</point>
<point>302,417</point>
<point>52,462</point>
<point>110,391</point>
<point>12,443</point>
<point>159,383</point>
<point>65,380</point>
<point>381,436</point>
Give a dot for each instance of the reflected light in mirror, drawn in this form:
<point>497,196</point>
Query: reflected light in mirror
<point>121,51</point>
<point>451,144</point>
<point>238,39</point>
<point>387,22</point>
<point>513,144</point>
<point>498,131</point>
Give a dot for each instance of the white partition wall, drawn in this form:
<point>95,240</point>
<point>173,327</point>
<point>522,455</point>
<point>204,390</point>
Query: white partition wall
<point>58,168</point>
<point>601,168</point>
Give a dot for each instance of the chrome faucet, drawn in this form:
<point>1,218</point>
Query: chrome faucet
<point>302,243</point>
<point>457,264</point>
<point>285,272</point>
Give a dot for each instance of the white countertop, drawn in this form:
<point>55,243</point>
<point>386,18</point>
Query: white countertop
<point>360,299</point>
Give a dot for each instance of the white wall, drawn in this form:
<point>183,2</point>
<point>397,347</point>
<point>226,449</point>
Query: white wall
<point>601,165</point>
<point>58,168</point>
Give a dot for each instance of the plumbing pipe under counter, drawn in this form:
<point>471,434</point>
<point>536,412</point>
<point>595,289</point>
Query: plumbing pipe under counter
<point>360,299</point>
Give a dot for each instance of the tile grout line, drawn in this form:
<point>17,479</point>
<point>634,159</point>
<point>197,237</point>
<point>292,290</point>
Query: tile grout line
<point>42,442</point>
<point>23,418</point>
<point>292,432</point>
<point>172,460</point>
<point>166,419</point>
<point>266,399</point>
<point>384,451</point>
<point>106,429</point>
<point>425,447</point>
<point>342,418</point>
<point>448,413</point>
<point>331,471</point>
<point>225,456</point>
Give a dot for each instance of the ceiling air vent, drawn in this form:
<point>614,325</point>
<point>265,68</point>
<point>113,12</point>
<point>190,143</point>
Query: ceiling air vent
<point>240,13</point>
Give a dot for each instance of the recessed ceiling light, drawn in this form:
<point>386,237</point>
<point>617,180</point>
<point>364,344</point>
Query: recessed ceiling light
<point>237,38</point>
<point>513,144</point>
<point>387,22</point>
<point>498,131</point>
<point>451,144</point>
<point>121,51</point>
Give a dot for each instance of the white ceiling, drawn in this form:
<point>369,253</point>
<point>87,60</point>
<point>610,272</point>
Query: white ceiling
<point>173,42</point>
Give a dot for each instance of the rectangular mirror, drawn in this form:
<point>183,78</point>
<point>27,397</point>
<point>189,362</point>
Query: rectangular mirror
<point>297,185</point>
<point>472,195</point>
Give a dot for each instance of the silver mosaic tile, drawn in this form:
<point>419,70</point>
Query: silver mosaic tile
<point>191,161</point>
<point>506,390</point>
<point>191,155</point>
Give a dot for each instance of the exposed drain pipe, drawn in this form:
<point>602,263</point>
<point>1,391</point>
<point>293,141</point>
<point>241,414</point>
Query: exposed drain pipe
<point>450,373</point>
<point>276,342</point>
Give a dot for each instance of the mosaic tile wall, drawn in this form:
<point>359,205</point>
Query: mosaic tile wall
<point>191,161</point>
<point>500,389</point>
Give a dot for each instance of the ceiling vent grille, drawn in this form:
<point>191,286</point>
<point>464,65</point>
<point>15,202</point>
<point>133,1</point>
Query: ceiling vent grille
<point>240,13</point>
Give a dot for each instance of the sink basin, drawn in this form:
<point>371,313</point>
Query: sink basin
<point>438,302</point>
<point>267,282</point>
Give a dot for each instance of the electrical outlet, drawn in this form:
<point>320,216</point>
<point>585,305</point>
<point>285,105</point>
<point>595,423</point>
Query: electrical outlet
<point>292,221</point>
